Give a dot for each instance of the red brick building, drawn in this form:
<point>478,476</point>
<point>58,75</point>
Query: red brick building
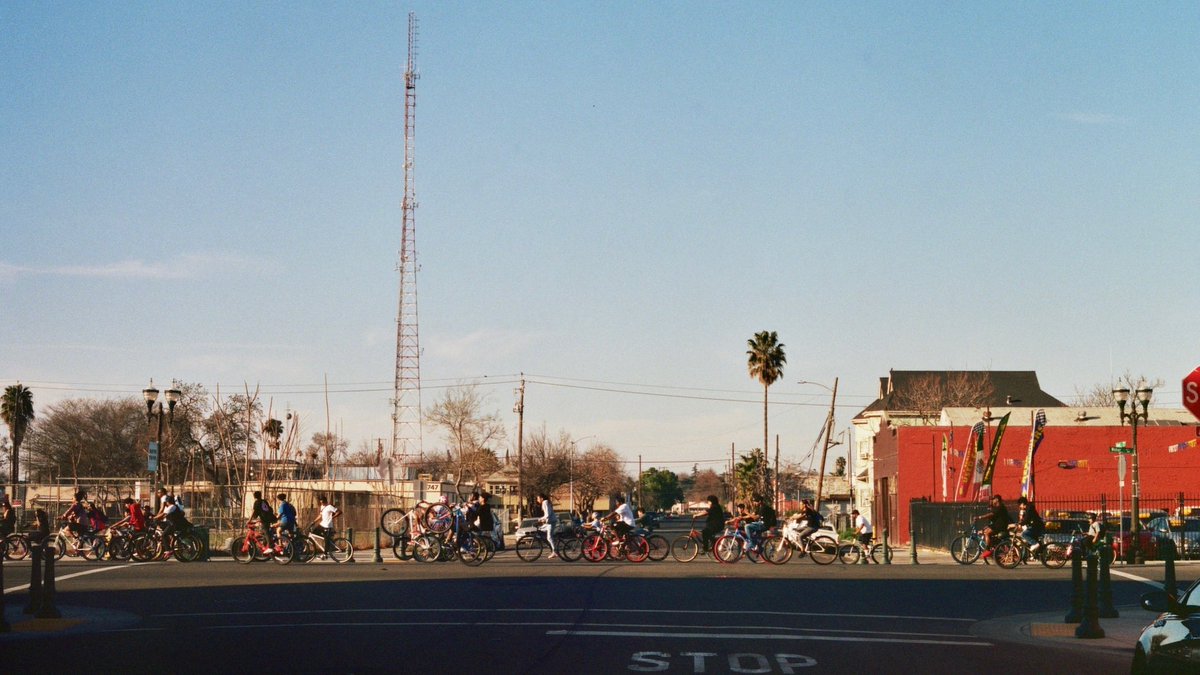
<point>1072,462</point>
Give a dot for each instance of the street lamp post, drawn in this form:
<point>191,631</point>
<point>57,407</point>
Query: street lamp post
<point>571,469</point>
<point>154,408</point>
<point>1134,554</point>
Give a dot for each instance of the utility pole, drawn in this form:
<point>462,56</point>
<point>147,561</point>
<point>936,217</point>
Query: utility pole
<point>520,410</point>
<point>775,497</point>
<point>639,483</point>
<point>732,476</point>
<point>828,438</point>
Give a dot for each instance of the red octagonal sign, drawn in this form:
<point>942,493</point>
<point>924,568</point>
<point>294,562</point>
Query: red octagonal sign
<point>1191,392</point>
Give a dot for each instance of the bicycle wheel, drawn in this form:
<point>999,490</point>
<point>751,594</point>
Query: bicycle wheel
<point>121,548</point>
<point>660,548</point>
<point>685,548</point>
<point>529,547</point>
<point>306,549</point>
<point>1007,554</point>
<point>728,549</point>
<point>878,553</point>
<point>776,550</point>
<point>595,548</point>
<point>284,551</point>
<point>146,547</point>
<point>394,523</point>
<point>243,548</point>
<point>439,518</point>
<point>188,547</point>
<point>1053,555</point>
<point>570,549</point>
<point>16,547</point>
<point>402,548</point>
<point>637,549</point>
<point>970,547</point>
<point>427,548</point>
<point>823,550</point>
<point>849,553</point>
<point>342,550</point>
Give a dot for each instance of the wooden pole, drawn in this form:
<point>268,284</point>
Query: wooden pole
<point>825,451</point>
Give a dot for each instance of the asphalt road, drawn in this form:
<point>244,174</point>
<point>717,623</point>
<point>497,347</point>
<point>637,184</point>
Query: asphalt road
<point>508,616</point>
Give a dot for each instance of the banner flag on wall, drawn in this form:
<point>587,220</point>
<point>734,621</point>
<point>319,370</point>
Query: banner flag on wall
<point>945,464</point>
<point>1073,464</point>
<point>1183,446</point>
<point>969,464</point>
<point>985,486</point>
<point>1035,439</point>
<point>1013,461</point>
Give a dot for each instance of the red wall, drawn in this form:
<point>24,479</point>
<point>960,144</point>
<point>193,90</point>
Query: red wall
<point>915,466</point>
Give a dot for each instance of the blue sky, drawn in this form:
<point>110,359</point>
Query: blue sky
<point>613,198</point>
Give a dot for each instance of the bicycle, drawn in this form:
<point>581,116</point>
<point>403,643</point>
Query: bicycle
<point>1015,551</point>
<point>396,522</point>
<point>253,546</point>
<point>311,544</point>
<point>151,544</point>
<point>968,546</point>
<point>15,546</point>
<point>851,553</point>
<point>605,544</point>
<point>822,548</point>
<point>735,543</point>
<point>566,542</point>
<point>66,542</point>
<point>686,547</point>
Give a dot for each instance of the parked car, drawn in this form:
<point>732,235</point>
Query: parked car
<point>1171,644</point>
<point>526,526</point>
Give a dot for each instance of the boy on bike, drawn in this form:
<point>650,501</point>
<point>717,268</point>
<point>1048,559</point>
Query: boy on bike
<point>863,533</point>
<point>762,517</point>
<point>809,520</point>
<point>622,517</point>
<point>1030,523</point>
<point>136,518</point>
<point>287,515</point>
<point>998,522</point>
<point>323,525</point>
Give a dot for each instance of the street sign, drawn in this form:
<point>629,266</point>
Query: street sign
<point>1191,392</point>
<point>1121,469</point>
<point>152,457</point>
<point>1121,449</point>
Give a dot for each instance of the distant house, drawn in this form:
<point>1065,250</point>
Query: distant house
<point>917,398</point>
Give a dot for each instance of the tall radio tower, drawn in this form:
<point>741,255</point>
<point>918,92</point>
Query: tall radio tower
<point>406,402</point>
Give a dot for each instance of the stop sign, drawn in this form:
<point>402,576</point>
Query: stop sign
<point>1191,392</point>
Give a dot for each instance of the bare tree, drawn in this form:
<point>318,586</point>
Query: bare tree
<point>1100,395</point>
<point>547,464</point>
<point>926,395</point>
<point>470,435</point>
<point>597,472</point>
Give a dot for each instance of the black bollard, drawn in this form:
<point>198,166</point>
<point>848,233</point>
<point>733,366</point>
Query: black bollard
<point>1089,628</point>
<point>887,559</point>
<point>4,627</point>
<point>47,610</point>
<point>1168,552</point>
<point>1106,610</point>
<point>1076,613</point>
<point>378,556</point>
<point>350,538</point>
<point>35,578</point>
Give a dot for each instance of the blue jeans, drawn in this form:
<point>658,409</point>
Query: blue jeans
<point>754,532</point>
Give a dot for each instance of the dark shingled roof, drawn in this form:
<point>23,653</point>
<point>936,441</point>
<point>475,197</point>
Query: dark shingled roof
<point>1009,387</point>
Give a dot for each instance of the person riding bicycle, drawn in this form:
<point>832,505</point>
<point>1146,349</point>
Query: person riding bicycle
<point>264,514</point>
<point>97,519</point>
<point>548,521</point>
<point>323,524</point>
<point>762,517</point>
<point>998,522</point>
<point>1096,531</point>
<point>286,515</point>
<point>714,522</point>
<point>75,517</point>
<point>1030,524</point>
<point>41,526</point>
<point>809,520</point>
<point>863,533</point>
<point>173,518</point>
<point>136,518</point>
<point>622,517</point>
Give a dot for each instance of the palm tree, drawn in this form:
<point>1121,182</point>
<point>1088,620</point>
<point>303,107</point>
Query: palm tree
<point>16,408</point>
<point>766,359</point>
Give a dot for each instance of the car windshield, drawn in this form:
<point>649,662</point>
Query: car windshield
<point>1193,596</point>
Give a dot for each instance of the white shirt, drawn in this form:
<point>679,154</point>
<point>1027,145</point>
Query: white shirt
<point>625,514</point>
<point>327,513</point>
<point>862,525</point>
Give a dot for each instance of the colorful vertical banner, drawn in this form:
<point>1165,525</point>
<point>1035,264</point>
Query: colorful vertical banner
<point>1035,439</point>
<point>945,464</point>
<point>985,486</point>
<point>969,464</point>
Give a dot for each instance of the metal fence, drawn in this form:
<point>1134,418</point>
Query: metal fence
<point>935,525</point>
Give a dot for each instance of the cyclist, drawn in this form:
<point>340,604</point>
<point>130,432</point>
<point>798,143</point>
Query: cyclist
<point>96,517</point>
<point>136,518</point>
<point>41,526</point>
<point>862,532</point>
<point>762,517</point>
<point>622,517</point>
<point>548,521</point>
<point>173,519</point>
<point>287,515</point>
<point>1096,531</point>
<point>481,518</point>
<point>1030,524</point>
<point>998,522</point>
<point>323,525</point>
<point>76,516</point>
<point>714,522</point>
<point>808,519</point>
<point>264,514</point>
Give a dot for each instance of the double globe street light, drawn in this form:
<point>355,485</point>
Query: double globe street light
<point>1134,554</point>
<point>154,408</point>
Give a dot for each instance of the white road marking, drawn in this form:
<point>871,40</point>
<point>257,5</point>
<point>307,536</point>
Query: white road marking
<point>429,611</point>
<point>64,577</point>
<point>762,636</point>
<point>1134,577</point>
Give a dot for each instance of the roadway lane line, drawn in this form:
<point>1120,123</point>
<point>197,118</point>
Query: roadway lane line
<point>1135,577</point>
<point>760,636</point>
<point>589,610</point>
<point>64,577</point>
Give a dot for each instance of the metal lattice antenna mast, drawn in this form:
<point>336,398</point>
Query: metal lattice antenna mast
<point>406,402</point>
